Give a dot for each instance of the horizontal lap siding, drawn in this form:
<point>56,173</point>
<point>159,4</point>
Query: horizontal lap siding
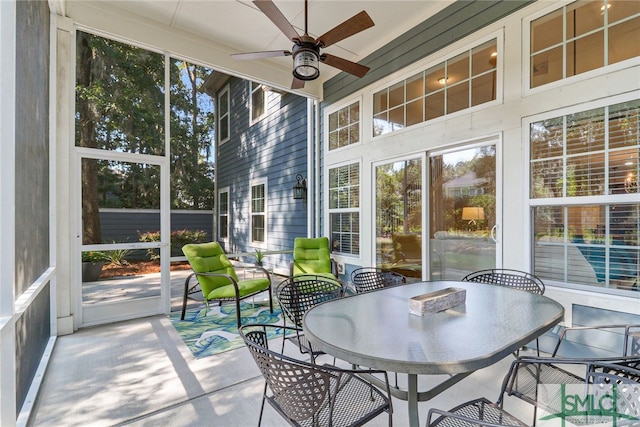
<point>275,148</point>
<point>456,21</point>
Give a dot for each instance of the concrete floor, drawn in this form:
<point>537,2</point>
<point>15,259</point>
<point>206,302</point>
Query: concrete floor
<point>140,373</point>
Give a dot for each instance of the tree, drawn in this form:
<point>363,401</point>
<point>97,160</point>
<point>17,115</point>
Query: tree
<point>120,105</point>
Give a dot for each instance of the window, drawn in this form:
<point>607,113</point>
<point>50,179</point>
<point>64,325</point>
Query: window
<point>344,126</point>
<point>344,204</point>
<point>258,101</point>
<point>464,81</point>
<point>223,116</point>
<point>582,36</point>
<point>258,213</point>
<point>584,196</point>
<point>223,214</point>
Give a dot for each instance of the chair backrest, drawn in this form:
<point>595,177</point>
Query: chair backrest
<point>507,277</point>
<point>209,258</point>
<point>313,384</point>
<point>300,293</point>
<point>367,279</point>
<point>311,256</point>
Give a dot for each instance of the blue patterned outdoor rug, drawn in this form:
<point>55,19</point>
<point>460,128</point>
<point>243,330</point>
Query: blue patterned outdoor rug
<point>213,331</point>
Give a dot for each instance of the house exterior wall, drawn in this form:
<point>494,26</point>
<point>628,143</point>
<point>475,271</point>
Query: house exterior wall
<point>274,150</point>
<point>504,120</point>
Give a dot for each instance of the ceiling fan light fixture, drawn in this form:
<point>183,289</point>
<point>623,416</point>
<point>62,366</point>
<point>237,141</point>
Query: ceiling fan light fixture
<point>306,63</point>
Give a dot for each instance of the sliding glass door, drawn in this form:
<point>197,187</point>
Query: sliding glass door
<point>463,231</point>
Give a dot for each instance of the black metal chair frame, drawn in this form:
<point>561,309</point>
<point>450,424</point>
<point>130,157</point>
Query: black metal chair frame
<point>366,279</point>
<point>509,278</point>
<point>298,294</point>
<point>522,382</point>
<point>306,394</point>
<point>631,337</point>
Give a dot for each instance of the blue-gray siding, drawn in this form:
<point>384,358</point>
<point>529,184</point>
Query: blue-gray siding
<point>274,148</point>
<point>453,23</point>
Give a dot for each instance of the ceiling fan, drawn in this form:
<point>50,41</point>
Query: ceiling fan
<point>306,50</point>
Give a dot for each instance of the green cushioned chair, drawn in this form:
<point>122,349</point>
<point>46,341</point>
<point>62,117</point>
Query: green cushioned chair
<point>311,256</point>
<point>217,278</point>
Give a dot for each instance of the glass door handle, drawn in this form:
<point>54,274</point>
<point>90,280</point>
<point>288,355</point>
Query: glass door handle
<point>493,233</point>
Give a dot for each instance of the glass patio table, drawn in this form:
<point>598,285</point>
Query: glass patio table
<point>377,330</point>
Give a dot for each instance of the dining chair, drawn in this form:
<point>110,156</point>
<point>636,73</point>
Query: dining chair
<point>510,278</point>
<point>216,277</point>
<point>524,381</point>
<point>623,339</point>
<point>298,294</point>
<point>507,277</point>
<point>366,279</point>
<point>307,394</point>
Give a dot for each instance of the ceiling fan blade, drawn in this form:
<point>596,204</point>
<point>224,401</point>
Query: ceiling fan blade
<point>259,55</point>
<point>273,13</point>
<point>344,65</point>
<point>351,26</point>
<point>297,84</point>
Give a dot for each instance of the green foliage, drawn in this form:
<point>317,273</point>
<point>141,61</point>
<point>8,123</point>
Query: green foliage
<point>259,256</point>
<point>120,106</point>
<point>94,256</point>
<point>118,256</point>
<point>179,238</point>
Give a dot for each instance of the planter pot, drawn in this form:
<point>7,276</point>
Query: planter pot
<point>91,271</point>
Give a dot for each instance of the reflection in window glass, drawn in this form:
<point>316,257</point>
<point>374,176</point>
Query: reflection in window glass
<point>590,241</point>
<point>399,217</point>
<point>468,77</point>
<point>582,47</point>
<point>344,126</point>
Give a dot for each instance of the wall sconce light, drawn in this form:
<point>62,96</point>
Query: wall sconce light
<point>300,189</point>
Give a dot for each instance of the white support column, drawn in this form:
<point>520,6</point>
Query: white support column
<point>64,136</point>
<point>7,212</point>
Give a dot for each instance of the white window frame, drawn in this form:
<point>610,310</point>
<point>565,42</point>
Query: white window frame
<point>265,213</point>
<point>335,109</point>
<point>526,58</point>
<point>438,58</point>
<point>226,117</point>
<point>600,200</point>
<point>357,210</point>
<point>252,90</point>
<point>227,214</point>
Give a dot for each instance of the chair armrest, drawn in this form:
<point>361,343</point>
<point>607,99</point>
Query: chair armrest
<point>629,332</point>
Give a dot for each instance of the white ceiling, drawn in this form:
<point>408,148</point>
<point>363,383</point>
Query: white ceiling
<point>208,31</point>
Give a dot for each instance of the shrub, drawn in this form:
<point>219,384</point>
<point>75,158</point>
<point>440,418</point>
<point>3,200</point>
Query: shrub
<point>93,256</point>
<point>118,256</point>
<point>179,238</point>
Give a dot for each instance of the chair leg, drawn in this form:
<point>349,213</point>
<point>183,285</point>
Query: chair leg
<point>238,316</point>
<point>184,298</point>
<point>264,395</point>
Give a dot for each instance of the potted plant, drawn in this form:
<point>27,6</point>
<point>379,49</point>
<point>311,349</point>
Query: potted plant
<point>259,257</point>
<point>92,263</point>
